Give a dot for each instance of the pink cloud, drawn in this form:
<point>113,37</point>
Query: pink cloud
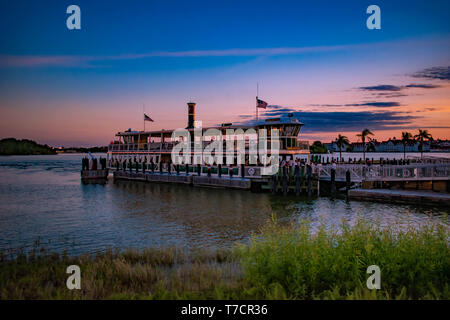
<point>38,61</point>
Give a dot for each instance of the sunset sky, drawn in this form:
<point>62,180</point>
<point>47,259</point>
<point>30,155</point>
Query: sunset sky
<point>314,58</point>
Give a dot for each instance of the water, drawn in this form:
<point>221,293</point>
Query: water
<point>42,197</point>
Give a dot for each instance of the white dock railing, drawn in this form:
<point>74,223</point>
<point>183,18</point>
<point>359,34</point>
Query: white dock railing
<point>360,172</point>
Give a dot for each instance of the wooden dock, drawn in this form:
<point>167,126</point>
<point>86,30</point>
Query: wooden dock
<point>420,197</point>
<point>390,183</point>
<point>195,180</point>
<point>359,172</point>
<point>94,175</point>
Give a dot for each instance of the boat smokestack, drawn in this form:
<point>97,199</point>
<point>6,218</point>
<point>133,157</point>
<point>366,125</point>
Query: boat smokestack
<point>191,115</point>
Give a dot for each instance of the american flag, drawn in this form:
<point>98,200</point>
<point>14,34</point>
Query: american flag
<point>147,118</point>
<point>261,103</point>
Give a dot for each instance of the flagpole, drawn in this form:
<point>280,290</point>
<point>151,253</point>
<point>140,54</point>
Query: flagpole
<point>143,113</point>
<point>257,93</point>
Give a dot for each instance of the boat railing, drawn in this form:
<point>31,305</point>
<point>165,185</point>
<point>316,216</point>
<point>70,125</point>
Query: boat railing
<point>163,168</point>
<point>168,146</point>
<point>135,147</point>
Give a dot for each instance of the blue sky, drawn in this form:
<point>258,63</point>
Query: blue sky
<point>163,53</point>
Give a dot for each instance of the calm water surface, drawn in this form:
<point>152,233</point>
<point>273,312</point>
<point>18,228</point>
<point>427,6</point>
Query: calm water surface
<point>42,197</point>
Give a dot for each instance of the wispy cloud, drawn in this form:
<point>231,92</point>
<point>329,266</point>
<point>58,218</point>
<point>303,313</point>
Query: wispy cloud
<point>422,86</point>
<point>389,91</point>
<point>336,121</point>
<point>441,73</point>
<point>393,88</point>
<point>86,61</point>
<point>377,104</point>
<point>44,61</point>
<point>382,87</point>
<point>388,95</point>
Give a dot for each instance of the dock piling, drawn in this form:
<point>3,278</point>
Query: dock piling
<point>347,180</point>
<point>309,177</point>
<point>274,183</point>
<point>333,182</point>
<point>347,183</point>
<point>297,180</point>
<point>284,181</point>
<point>298,185</point>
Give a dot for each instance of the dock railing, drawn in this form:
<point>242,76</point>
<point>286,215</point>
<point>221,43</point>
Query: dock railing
<point>360,172</point>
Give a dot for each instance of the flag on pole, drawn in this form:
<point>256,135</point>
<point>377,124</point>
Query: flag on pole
<point>260,103</point>
<point>147,118</point>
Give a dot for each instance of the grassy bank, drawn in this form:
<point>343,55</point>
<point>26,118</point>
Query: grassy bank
<point>147,274</point>
<point>281,262</point>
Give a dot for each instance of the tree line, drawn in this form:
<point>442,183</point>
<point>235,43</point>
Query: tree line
<point>12,146</point>
<point>367,140</point>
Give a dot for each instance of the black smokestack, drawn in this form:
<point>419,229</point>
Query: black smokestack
<point>191,115</point>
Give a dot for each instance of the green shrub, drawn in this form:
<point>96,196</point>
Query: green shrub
<point>293,261</point>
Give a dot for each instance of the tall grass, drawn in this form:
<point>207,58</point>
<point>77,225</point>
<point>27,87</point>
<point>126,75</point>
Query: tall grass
<point>147,274</point>
<point>292,262</point>
<point>281,262</point>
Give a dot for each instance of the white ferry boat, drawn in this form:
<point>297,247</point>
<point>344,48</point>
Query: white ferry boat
<point>147,155</point>
<point>150,151</point>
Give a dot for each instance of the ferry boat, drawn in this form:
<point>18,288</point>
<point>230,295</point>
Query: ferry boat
<point>150,151</point>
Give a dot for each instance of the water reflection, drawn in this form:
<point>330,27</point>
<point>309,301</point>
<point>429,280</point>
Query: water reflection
<point>42,197</point>
<point>200,215</point>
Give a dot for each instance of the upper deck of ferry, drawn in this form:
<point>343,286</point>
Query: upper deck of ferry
<point>160,141</point>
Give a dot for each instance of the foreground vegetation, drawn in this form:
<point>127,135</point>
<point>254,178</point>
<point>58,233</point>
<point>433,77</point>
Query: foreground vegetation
<point>291,263</point>
<point>281,262</point>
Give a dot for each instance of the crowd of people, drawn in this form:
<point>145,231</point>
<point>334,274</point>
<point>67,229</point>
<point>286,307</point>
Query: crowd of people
<point>316,159</point>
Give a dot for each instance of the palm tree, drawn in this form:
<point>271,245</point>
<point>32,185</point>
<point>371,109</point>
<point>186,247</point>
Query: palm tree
<point>341,141</point>
<point>421,136</point>
<point>371,146</point>
<point>406,137</point>
<point>363,135</point>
